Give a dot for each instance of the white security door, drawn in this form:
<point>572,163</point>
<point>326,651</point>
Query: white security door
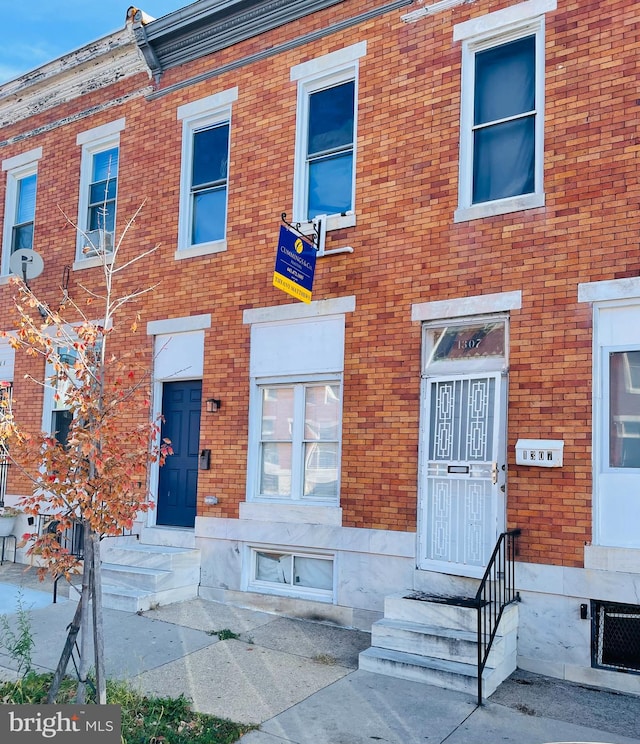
<point>463,476</point>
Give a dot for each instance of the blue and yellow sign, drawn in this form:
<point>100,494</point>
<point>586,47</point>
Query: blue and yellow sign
<point>295,265</point>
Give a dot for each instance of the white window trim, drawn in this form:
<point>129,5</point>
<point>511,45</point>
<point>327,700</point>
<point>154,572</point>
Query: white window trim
<point>205,112</point>
<point>477,35</point>
<point>252,584</point>
<point>326,71</point>
<point>93,141</point>
<point>297,472</point>
<point>18,167</point>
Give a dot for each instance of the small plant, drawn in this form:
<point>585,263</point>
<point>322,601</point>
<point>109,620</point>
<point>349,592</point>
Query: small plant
<point>325,659</point>
<point>19,641</point>
<point>10,511</point>
<point>224,635</point>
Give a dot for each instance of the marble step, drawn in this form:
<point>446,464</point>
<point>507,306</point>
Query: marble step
<point>425,640</point>
<point>451,675</point>
<point>148,579</point>
<point>130,599</point>
<point>149,556</point>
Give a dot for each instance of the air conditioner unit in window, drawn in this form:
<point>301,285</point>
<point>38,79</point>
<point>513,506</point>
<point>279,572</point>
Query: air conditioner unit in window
<point>96,242</point>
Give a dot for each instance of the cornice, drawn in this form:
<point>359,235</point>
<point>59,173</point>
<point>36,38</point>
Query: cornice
<point>93,66</point>
<point>208,26</point>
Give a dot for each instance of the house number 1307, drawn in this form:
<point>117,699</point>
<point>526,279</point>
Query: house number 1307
<point>472,343</point>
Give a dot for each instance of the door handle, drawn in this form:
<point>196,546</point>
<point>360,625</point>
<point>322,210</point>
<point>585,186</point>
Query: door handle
<point>494,473</point>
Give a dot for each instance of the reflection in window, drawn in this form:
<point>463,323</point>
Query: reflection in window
<point>300,441</point>
<point>291,570</point>
<point>330,150</point>
<point>464,342</point>
<point>624,409</point>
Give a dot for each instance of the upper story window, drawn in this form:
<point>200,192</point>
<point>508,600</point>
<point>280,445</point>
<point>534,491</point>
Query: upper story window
<point>502,123</point>
<point>326,135</point>
<point>204,184</point>
<point>20,203</point>
<point>98,190</point>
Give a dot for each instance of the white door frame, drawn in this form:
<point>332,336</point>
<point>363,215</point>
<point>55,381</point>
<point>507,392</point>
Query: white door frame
<point>464,480</point>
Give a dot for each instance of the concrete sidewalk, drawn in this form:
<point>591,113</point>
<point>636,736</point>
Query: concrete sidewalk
<point>299,679</point>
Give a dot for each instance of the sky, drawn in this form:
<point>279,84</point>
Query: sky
<point>43,30</point>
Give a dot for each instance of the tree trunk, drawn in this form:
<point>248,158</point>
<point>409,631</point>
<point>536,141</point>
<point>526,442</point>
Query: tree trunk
<point>61,669</point>
<point>98,624</point>
<point>87,583</point>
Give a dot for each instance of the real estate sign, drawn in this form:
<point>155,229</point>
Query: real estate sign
<point>295,265</point>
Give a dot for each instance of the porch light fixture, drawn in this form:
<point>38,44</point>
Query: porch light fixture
<point>213,405</point>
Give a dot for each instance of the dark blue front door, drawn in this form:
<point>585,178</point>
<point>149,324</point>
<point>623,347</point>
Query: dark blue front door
<point>178,481</point>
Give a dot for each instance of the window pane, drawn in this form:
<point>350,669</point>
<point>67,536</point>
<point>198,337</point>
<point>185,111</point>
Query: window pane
<point>504,159</point>
<point>330,185</point>
<point>26,207</point>
<point>275,469</point>
<point>103,217</point>
<point>313,572</point>
<point>624,409</point>
<point>105,165</point>
<point>465,342</point>
<point>209,215</point>
<point>102,191</point>
<point>322,411</point>
<point>331,118</point>
<point>505,81</point>
<point>210,155</point>
<point>321,471</point>
<point>22,237</point>
<point>277,413</point>
<point>274,567</point>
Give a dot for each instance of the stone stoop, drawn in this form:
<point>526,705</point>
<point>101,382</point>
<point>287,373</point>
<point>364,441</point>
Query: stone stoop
<point>435,642</point>
<point>137,577</point>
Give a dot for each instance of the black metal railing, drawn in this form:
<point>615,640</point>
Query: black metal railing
<point>497,590</point>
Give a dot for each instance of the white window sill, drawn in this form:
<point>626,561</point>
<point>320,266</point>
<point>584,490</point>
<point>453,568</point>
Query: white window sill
<point>91,262</point>
<point>500,206</point>
<point>204,249</point>
<point>295,513</point>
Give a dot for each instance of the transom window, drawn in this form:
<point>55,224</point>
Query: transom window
<point>300,442</point>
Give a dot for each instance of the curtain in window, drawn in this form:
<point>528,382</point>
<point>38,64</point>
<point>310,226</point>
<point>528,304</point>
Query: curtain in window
<point>504,121</point>
<point>624,409</point>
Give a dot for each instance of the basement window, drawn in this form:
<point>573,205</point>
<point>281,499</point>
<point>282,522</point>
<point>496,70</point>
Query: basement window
<point>293,574</point>
<point>615,636</point>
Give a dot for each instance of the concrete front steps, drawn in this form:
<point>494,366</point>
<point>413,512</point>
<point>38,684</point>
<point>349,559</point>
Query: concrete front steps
<point>137,576</point>
<point>435,642</point>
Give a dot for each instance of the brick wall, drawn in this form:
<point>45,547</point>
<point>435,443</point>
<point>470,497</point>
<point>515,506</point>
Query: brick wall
<point>407,248</point>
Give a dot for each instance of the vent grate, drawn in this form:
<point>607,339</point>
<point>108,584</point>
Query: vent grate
<point>615,636</point>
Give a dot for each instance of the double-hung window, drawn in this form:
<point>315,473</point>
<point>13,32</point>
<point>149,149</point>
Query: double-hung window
<point>98,190</point>
<point>20,203</point>
<point>326,133</point>
<point>300,427</point>
<point>204,187</point>
<point>501,138</point>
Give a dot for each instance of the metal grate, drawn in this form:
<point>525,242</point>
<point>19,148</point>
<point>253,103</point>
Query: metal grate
<point>615,636</point>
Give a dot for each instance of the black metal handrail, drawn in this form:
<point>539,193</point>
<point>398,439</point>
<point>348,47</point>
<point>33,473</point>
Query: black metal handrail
<point>496,591</point>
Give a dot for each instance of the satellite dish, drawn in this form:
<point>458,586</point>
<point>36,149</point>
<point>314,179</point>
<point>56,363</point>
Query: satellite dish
<point>26,264</point>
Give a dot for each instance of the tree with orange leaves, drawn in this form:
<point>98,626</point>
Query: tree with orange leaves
<point>93,476</point>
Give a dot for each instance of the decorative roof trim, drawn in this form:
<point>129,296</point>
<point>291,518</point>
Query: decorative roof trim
<point>211,25</point>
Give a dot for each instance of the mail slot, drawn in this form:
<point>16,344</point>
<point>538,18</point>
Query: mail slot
<point>457,469</point>
<point>205,459</point>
